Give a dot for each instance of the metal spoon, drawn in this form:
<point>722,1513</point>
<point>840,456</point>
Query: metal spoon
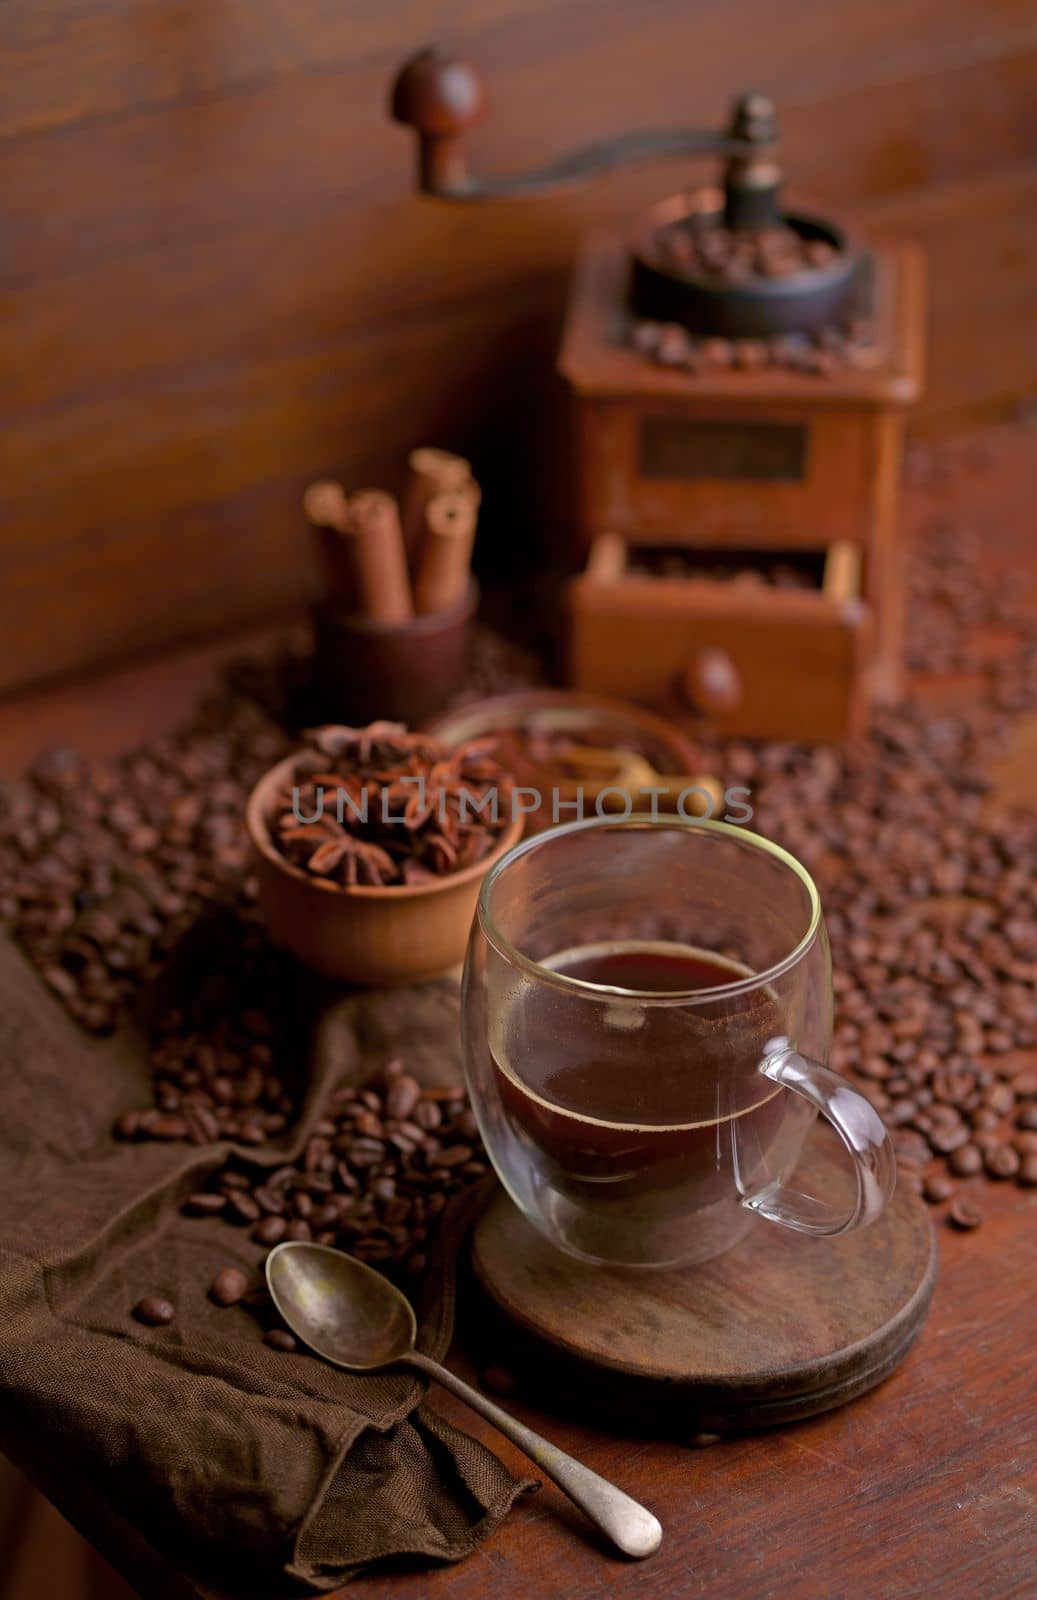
<point>356,1319</point>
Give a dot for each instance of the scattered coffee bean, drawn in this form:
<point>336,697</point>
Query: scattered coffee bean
<point>270,1231</point>
<point>964,1213</point>
<point>937,1189</point>
<point>228,1286</point>
<point>965,1161</point>
<point>1028,1169</point>
<point>280,1339</point>
<point>376,1198</point>
<point>1001,1161</point>
<point>154,1311</point>
<point>204,1205</point>
<point>242,1206</point>
<point>947,1140</point>
<point>402,1096</point>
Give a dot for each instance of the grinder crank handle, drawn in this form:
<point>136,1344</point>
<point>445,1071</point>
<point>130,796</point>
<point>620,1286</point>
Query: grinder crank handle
<point>441,97</point>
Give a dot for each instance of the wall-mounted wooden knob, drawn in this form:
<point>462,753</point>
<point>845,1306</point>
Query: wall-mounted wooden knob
<point>712,681</point>
<point>440,97</point>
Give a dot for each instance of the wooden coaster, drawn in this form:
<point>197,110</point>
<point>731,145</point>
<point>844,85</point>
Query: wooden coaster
<point>779,1328</point>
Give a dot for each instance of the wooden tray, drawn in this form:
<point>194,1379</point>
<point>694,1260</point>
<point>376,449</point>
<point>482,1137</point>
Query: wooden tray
<point>781,1327</point>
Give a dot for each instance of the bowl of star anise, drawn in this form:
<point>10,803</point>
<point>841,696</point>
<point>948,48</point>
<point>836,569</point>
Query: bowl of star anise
<point>371,845</point>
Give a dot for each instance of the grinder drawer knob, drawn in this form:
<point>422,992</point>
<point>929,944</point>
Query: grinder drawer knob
<point>712,681</point>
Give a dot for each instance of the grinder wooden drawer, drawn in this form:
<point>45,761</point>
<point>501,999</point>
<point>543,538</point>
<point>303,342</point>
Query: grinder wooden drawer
<point>756,660</point>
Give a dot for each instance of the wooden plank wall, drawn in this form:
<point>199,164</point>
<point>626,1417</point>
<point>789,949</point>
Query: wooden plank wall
<point>216,281</point>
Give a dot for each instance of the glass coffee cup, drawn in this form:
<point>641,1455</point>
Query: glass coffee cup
<point>647,1009</point>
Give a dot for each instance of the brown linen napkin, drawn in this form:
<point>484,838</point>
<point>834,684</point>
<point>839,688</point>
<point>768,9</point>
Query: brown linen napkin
<point>198,1434</point>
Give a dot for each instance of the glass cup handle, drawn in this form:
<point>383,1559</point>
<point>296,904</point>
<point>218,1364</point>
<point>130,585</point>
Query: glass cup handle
<point>860,1128</point>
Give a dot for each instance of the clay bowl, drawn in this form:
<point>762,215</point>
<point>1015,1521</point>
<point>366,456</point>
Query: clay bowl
<point>405,933</point>
<point>571,712</point>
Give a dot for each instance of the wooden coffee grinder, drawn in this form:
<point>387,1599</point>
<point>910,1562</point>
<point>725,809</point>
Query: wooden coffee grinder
<point>739,374</point>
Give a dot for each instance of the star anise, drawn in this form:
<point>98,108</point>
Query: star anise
<point>378,805</point>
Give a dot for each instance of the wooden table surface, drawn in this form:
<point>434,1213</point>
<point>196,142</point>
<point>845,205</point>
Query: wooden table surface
<point>927,1486</point>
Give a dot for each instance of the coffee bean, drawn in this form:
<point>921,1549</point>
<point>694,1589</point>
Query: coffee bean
<point>937,1189</point>
<point>271,1230</point>
<point>965,1161</point>
<point>402,1096</point>
<point>167,1127</point>
<point>946,1140</point>
<point>228,1286</point>
<point>453,1156</point>
<point>204,1205</point>
<point>1028,1169</point>
<point>154,1311</point>
<point>1027,1119</point>
<point>467,1126</point>
<point>202,1125</point>
<point>964,1213</point>
<point>1000,1098</point>
<point>1001,1161</point>
<point>365,1153</point>
<point>242,1206</point>
<point>953,1084</point>
<point>911,1148</point>
<point>61,981</point>
<point>279,1339</point>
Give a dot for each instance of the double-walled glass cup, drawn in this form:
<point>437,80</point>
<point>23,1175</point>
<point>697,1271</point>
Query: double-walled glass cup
<point>647,1009</point>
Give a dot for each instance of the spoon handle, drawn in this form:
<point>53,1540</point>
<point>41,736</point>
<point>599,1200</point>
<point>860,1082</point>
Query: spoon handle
<point>630,1527</point>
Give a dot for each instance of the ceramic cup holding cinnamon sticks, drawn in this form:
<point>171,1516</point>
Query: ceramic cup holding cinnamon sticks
<point>391,636</point>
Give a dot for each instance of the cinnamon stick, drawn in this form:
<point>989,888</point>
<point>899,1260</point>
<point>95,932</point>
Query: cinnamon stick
<point>324,506</point>
<point>381,566</point>
<point>429,472</point>
<point>446,552</point>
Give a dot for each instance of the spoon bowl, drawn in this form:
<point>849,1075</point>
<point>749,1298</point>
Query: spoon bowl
<point>353,1317</point>
<point>344,1310</point>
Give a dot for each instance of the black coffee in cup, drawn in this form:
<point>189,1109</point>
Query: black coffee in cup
<point>642,1099</point>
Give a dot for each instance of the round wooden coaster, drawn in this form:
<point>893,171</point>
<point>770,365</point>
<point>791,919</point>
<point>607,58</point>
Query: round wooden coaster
<point>780,1327</point>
